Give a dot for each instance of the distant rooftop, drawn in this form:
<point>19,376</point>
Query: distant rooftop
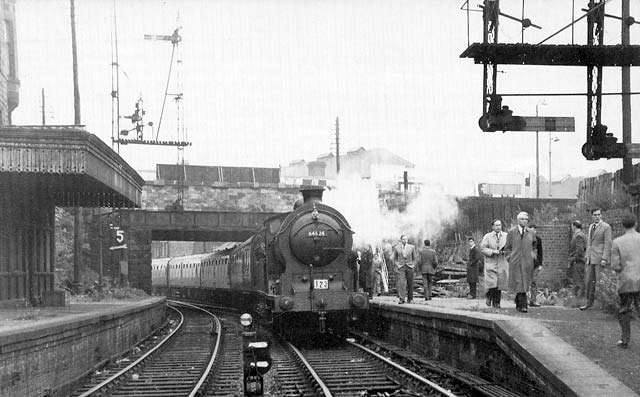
<point>207,175</point>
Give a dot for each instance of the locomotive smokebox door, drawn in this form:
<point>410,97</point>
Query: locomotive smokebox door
<point>316,237</point>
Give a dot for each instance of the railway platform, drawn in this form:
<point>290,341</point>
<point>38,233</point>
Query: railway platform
<point>560,339</point>
<point>42,349</point>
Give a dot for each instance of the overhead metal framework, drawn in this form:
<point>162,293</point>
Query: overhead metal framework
<point>595,55</point>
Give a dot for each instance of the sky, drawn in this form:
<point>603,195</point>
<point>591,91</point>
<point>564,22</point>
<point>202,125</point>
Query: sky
<point>264,80</point>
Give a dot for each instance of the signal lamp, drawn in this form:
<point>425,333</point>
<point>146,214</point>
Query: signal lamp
<point>286,303</point>
<point>246,319</point>
<point>358,300</point>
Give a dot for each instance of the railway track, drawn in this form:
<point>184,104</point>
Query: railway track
<point>459,382</point>
<point>355,369</point>
<point>227,373</point>
<point>202,355</point>
<point>177,365</point>
<point>343,370</point>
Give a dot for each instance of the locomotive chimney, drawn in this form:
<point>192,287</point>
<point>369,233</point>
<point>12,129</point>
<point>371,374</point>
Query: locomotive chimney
<point>311,193</point>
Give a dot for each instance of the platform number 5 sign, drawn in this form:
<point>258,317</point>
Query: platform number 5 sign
<point>119,236</point>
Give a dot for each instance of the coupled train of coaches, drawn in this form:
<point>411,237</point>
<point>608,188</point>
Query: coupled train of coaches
<point>294,272</point>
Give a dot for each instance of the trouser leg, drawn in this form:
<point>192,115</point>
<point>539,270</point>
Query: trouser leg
<point>590,283</point>
<point>426,283</point>
<point>409,283</point>
<point>579,271</point>
<point>569,279</point>
<point>497,296</point>
<point>473,289</point>
<point>624,316</point>
<point>376,284</point>
<point>402,283</point>
<point>521,300</point>
<point>533,291</point>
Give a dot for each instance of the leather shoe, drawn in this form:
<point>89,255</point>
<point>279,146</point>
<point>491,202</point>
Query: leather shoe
<point>585,307</point>
<point>401,302</point>
<point>410,301</point>
<point>534,304</point>
<point>622,345</point>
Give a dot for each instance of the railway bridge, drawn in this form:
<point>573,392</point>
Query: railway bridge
<point>219,204</point>
<point>141,227</point>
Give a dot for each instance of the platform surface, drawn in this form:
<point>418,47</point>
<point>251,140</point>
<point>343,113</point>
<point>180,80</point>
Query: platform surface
<point>587,376</point>
<point>28,319</point>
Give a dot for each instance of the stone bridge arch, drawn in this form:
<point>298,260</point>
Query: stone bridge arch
<point>141,227</point>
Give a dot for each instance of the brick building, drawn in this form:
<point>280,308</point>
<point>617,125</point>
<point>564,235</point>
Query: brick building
<point>385,168</point>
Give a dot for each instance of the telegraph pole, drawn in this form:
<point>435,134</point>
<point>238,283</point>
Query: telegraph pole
<point>43,119</point>
<point>627,167</point>
<point>76,89</point>
<point>337,146</point>
<point>76,107</point>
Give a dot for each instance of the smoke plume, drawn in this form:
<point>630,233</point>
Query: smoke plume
<point>358,200</point>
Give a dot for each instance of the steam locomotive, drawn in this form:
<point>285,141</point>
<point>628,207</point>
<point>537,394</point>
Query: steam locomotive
<point>297,272</point>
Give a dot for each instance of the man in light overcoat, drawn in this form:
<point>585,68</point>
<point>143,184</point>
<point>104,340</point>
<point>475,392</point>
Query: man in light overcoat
<point>521,249</point>
<point>496,268</point>
<point>625,260</point>
<point>598,254</point>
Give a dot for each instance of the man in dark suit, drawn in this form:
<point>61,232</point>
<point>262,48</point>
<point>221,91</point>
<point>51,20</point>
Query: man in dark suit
<point>537,266</point>
<point>405,257</point>
<point>428,262</point>
<point>364,277</point>
<point>473,268</point>
<point>598,254</point>
<point>520,251</point>
<point>577,247</point>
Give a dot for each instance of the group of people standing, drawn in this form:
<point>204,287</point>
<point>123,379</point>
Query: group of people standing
<point>588,254</point>
<point>511,261</point>
<point>370,268</point>
<point>406,257</point>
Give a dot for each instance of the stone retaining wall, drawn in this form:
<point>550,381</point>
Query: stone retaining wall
<point>47,357</point>
<point>490,348</point>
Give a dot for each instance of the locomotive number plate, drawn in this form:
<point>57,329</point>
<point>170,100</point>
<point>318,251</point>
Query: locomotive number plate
<point>316,233</point>
<point>320,284</point>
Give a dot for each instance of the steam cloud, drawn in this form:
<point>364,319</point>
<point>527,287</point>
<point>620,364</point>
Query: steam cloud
<point>357,199</point>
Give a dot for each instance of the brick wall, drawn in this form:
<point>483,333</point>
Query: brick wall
<point>222,198</point>
<point>555,242</point>
<point>555,246</point>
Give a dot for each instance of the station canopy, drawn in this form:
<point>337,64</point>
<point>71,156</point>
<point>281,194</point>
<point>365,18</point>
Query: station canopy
<point>67,165</point>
